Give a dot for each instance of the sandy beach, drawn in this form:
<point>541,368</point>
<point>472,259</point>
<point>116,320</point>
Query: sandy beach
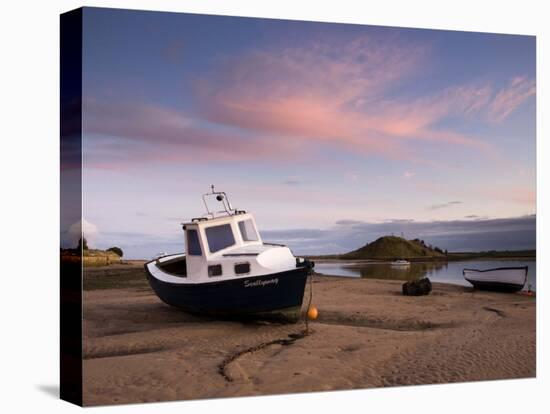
<point>137,349</point>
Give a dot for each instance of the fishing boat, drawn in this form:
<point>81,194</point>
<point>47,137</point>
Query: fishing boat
<point>228,271</point>
<point>400,263</point>
<point>505,279</point>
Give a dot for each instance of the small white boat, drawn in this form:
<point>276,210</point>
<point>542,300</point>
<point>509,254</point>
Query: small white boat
<point>504,279</point>
<point>400,263</point>
<point>227,270</point>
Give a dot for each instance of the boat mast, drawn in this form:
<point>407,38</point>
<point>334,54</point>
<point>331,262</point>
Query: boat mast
<point>221,196</point>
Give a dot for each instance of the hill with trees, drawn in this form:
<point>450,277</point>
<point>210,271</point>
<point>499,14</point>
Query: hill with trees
<point>393,247</point>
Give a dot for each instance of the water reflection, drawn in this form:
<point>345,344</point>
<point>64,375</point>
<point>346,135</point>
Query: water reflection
<point>446,272</point>
<point>414,271</point>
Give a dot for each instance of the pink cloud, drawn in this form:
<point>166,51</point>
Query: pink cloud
<point>415,119</point>
<point>278,102</point>
<point>121,134</point>
<point>336,94</point>
<point>314,91</point>
<point>507,100</point>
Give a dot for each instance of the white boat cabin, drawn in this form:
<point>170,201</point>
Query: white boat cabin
<point>232,247</point>
<point>222,248</point>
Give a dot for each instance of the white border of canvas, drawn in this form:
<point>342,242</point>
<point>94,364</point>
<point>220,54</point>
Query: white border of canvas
<point>30,203</point>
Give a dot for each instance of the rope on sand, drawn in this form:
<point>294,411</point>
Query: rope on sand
<point>309,302</point>
<point>293,337</point>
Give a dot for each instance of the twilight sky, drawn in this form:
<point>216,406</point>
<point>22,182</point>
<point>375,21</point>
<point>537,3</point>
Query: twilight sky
<point>330,134</point>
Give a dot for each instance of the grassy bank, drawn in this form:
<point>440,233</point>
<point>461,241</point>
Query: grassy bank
<point>129,276</point>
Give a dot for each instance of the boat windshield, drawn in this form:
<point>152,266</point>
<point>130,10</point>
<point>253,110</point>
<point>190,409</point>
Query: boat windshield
<point>219,237</point>
<point>248,232</point>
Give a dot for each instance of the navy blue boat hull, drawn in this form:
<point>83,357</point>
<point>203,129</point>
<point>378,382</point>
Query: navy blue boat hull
<point>273,296</point>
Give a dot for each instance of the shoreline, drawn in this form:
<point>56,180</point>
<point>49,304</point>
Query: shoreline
<point>420,260</point>
<point>383,270</point>
<point>367,335</point>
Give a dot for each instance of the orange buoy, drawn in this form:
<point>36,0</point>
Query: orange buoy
<point>312,313</point>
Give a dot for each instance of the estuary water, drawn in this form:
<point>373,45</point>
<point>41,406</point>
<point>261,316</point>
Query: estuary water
<point>444,272</point>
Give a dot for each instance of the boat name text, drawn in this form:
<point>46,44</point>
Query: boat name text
<point>261,283</point>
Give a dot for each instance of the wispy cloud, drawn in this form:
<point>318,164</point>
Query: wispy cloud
<point>273,103</point>
<point>293,181</point>
<point>444,205</point>
<point>511,97</point>
<point>124,133</point>
<point>348,222</point>
<point>335,94</point>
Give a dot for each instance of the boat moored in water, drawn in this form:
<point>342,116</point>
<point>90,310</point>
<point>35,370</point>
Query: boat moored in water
<point>505,279</point>
<point>228,271</point>
<point>400,263</point>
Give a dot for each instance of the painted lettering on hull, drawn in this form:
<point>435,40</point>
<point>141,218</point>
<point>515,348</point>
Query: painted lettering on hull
<point>261,283</point>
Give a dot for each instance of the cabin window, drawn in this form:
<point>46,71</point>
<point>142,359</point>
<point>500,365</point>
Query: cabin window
<point>215,270</point>
<point>219,237</point>
<point>193,245</point>
<point>241,268</point>
<point>248,232</point>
